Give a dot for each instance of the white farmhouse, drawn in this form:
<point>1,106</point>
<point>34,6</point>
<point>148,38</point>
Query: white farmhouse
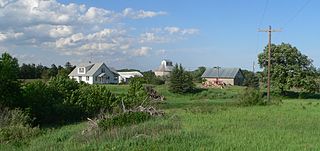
<point>164,69</point>
<point>124,77</point>
<point>94,73</point>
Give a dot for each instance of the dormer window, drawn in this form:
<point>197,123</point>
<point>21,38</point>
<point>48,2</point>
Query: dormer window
<point>81,70</point>
<point>169,63</point>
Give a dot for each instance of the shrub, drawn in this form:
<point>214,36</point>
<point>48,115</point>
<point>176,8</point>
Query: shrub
<point>15,126</point>
<point>65,86</point>
<point>136,94</point>
<point>123,119</point>
<point>251,96</point>
<point>90,99</point>
<point>45,103</point>
<point>151,78</point>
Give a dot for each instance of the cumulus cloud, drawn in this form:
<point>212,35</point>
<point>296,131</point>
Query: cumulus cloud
<point>140,14</point>
<point>166,34</point>
<point>60,31</point>
<point>143,51</point>
<point>188,31</point>
<point>75,29</point>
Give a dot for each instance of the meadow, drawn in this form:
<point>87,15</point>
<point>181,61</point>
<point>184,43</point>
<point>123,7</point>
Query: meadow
<point>208,120</point>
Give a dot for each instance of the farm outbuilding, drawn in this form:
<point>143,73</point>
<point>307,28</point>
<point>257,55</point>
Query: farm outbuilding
<point>223,76</point>
<point>164,69</point>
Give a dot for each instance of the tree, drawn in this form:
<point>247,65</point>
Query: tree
<point>250,79</point>
<point>151,78</point>
<point>69,67</point>
<point>9,85</point>
<point>196,74</point>
<point>53,71</point>
<point>289,68</point>
<point>180,81</point>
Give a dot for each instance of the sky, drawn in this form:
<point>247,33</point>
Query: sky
<point>140,33</point>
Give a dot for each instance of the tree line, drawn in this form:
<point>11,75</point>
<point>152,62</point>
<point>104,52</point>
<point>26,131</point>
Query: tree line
<point>32,71</point>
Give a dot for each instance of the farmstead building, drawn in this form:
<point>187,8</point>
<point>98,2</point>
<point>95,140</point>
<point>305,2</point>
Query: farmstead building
<point>94,73</point>
<point>164,69</point>
<point>223,76</point>
<point>124,77</point>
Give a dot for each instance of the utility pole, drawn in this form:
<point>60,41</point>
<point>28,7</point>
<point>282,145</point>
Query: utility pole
<point>269,57</point>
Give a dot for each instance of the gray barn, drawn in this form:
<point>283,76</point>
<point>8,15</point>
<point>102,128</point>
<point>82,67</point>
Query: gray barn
<point>228,76</point>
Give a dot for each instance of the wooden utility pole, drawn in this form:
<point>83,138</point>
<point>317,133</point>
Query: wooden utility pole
<point>269,57</point>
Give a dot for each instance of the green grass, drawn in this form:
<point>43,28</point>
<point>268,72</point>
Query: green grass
<point>198,122</point>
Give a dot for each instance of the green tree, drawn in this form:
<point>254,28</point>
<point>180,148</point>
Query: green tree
<point>53,71</point>
<point>9,85</point>
<point>69,67</point>
<point>196,74</point>
<point>180,81</point>
<point>289,68</point>
<point>250,79</point>
<point>151,78</point>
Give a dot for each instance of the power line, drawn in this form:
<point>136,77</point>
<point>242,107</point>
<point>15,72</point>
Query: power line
<point>297,13</point>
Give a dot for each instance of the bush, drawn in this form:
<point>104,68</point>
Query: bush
<point>15,126</point>
<point>91,99</point>
<point>45,103</point>
<point>136,94</point>
<point>151,78</point>
<point>250,97</point>
<point>65,86</point>
<point>123,119</point>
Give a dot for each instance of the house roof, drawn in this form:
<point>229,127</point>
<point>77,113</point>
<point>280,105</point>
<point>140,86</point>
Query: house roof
<point>90,67</point>
<point>222,73</point>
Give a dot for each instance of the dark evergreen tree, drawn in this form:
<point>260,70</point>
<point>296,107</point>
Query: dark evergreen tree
<point>180,81</point>
<point>53,71</point>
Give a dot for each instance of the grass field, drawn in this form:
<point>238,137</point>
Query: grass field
<point>209,120</point>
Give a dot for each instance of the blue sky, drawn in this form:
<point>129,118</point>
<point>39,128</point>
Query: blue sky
<point>139,33</point>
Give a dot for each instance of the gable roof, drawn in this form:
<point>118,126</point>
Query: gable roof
<point>92,68</point>
<point>222,73</point>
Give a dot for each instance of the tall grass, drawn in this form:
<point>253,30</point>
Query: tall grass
<point>199,124</point>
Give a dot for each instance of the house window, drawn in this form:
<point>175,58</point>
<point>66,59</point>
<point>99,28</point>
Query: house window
<point>96,78</point>
<point>103,70</point>
<point>81,70</point>
<point>87,78</point>
<point>80,78</point>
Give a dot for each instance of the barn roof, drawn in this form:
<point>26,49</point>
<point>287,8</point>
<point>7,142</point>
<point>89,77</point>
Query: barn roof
<point>222,73</point>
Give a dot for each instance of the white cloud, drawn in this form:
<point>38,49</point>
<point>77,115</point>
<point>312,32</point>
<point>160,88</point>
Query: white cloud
<point>172,30</point>
<point>143,51</point>
<point>140,14</point>
<point>61,31</point>
<point>188,31</point>
<point>167,34</point>
<point>75,29</point>
<point>10,35</point>
<point>3,37</point>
